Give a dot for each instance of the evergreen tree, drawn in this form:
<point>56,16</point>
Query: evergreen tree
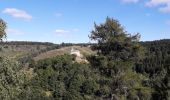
<point>117,53</point>
<point>2,29</point>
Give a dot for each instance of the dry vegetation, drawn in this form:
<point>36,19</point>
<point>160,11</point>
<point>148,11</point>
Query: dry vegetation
<point>62,51</point>
<point>17,51</point>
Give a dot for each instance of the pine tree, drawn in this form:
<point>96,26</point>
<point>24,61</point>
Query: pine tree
<point>2,29</point>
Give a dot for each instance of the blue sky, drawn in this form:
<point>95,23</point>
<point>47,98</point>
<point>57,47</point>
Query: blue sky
<point>72,20</point>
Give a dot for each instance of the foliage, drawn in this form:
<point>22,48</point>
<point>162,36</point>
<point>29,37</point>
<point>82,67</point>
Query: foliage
<point>118,52</point>
<point>64,78</point>
<point>2,29</point>
<point>122,69</point>
<point>156,65</point>
<point>11,79</point>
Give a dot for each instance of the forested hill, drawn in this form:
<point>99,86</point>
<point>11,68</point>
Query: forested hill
<point>25,43</point>
<point>159,43</point>
<point>157,65</point>
<point>165,43</point>
<point>41,43</point>
<point>122,68</point>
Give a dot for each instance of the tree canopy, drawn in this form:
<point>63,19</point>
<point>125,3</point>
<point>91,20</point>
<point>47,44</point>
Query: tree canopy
<point>114,41</point>
<point>118,51</point>
<point>2,29</point>
<point>122,69</point>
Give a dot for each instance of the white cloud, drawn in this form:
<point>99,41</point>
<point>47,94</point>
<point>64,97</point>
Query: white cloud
<point>164,5</point>
<point>157,2</point>
<point>58,14</point>
<point>168,22</point>
<point>165,9</point>
<point>62,32</point>
<point>75,30</point>
<point>148,14</point>
<point>15,31</point>
<point>129,1</point>
<point>17,13</point>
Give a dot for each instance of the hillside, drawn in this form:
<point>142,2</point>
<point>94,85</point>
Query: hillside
<point>19,49</point>
<point>64,50</point>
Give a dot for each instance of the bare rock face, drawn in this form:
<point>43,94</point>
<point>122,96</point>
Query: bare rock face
<point>75,52</point>
<point>79,57</point>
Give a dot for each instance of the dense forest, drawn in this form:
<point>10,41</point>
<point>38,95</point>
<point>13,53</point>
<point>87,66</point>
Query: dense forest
<point>123,68</point>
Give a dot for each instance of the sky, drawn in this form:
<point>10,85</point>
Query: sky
<point>72,21</point>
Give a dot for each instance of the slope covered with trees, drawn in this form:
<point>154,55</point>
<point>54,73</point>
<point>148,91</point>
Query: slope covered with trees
<point>123,69</point>
<point>156,65</point>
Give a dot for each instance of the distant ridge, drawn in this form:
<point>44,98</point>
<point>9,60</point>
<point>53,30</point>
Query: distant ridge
<point>26,43</point>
